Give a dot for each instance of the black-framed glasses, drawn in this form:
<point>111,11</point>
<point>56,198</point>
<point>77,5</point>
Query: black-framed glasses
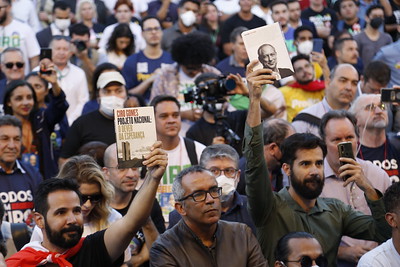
<point>96,198</point>
<point>229,172</point>
<point>154,29</point>
<point>306,261</point>
<point>201,195</point>
<point>372,107</point>
<point>10,65</point>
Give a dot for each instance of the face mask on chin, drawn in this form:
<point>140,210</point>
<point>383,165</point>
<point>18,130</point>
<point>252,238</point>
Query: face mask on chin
<point>109,103</point>
<point>188,18</point>
<point>305,47</point>
<point>62,24</point>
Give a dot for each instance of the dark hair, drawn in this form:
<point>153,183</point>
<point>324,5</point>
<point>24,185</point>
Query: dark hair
<point>195,48</point>
<point>123,2</point>
<point>372,7</point>
<point>282,249</point>
<point>337,114</point>
<point>277,2</point>
<point>338,4</point>
<point>10,89</point>
<point>96,74</point>
<point>122,30</point>
<point>94,149</point>
<point>51,185</point>
<point>236,32</point>
<point>275,131</point>
<point>338,44</point>
<point>299,141</point>
<point>61,5</point>
<point>377,71</point>
<point>9,120</point>
<point>79,29</point>
<point>391,198</point>
<point>299,57</point>
<point>36,74</point>
<point>301,29</point>
<point>139,98</point>
<point>147,18</point>
<point>182,2</point>
<point>163,98</point>
<point>177,189</point>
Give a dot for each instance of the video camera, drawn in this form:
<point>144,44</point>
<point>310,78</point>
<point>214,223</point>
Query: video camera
<point>80,45</point>
<point>211,89</point>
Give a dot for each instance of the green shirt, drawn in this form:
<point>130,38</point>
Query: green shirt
<point>276,214</point>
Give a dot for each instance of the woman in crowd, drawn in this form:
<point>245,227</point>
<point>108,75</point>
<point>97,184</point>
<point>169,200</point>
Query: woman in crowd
<point>86,13</point>
<point>38,122</point>
<point>211,24</point>
<point>120,45</point>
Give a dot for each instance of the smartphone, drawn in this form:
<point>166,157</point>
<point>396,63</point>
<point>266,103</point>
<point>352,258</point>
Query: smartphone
<point>317,45</point>
<point>390,95</point>
<point>45,53</point>
<point>345,151</point>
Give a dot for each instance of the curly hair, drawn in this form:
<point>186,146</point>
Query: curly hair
<point>195,48</point>
<point>122,30</point>
<point>86,171</point>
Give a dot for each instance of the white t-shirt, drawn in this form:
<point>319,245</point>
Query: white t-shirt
<point>20,35</point>
<point>25,11</point>
<point>385,255</point>
<point>136,31</point>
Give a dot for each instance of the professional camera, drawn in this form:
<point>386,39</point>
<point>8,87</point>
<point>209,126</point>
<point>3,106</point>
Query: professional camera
<point>210,91</point>
<point>210,87</point>
<point>80,45</point>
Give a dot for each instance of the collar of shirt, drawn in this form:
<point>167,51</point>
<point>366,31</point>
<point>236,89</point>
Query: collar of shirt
<point>320,205</point>
<point>326,106</point>
<point>233,62</point>
<point>56,31</point>
<point>17,167</point>
<point>237,202</point>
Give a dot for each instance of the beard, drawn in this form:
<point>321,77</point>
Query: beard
<point>57,237</point>
<point>304,190</point>
<point>3,18</point>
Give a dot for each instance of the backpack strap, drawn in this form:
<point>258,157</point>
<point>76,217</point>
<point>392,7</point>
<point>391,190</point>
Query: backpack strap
<point>311,119</point>
<point>20,234</point>
<point>191,150</point>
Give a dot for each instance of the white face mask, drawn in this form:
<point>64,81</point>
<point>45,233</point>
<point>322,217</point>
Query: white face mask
<point>305,47</point>
<point>109,103</point>
<point>228,186</point>
<point>188,18</point>
<point>62,24</point>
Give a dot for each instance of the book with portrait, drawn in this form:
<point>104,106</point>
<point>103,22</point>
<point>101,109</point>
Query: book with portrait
<point>135,131</point>
<point>267,44</point>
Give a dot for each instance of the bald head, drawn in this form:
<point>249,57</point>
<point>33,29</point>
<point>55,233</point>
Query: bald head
<point>110,155</point>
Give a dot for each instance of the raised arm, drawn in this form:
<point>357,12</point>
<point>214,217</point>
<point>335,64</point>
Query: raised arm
<point>120,233</point>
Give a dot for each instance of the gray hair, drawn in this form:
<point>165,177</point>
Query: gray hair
<point>10,49</point>
<point>9,120</point>
<point>177,188</point>
<point>217,152</point>
<point>275,131</point>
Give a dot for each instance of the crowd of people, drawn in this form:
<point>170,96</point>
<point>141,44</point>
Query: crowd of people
<point>247,169</point>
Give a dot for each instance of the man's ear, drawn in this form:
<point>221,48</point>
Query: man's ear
<point>391,219</point>
<point>180,208</point>
<point>39,220</point>
<point>106,172</point>
<point>286,169</point>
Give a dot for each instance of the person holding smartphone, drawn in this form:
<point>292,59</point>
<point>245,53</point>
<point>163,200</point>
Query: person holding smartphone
<point>346,179</point>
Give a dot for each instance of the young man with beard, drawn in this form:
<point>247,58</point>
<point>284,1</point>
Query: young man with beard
<point>372,120</point>
<point>58,214</point>
<point>298,208</point>
<point>340,126</point>
<point>306,90</point>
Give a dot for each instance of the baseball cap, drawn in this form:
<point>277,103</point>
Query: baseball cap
<point>108,77</point>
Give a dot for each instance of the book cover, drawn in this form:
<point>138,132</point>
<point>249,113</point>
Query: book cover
<point>135,131</point>
<point>267,44</point>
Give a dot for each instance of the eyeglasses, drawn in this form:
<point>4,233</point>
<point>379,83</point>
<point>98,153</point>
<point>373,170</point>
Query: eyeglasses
<point>200,196</point>
<point>155,29</point>
<point>372,107</point>
<point>93,198</point>
<point>306,261</point>
<point>10,65</point>
<point>229,172</point>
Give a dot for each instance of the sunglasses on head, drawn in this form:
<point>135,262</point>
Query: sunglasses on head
<point>93,198</point>
<point>306,261</point>
<point>10,65</point>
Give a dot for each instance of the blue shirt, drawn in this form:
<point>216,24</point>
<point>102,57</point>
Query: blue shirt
<point>138,68</point>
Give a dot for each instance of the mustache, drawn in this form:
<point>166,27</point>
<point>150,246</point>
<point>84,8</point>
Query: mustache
<point>313,179</point>
<point>71,228</point>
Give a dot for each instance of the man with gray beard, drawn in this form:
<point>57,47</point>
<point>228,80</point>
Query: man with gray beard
<point>372,120</point>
